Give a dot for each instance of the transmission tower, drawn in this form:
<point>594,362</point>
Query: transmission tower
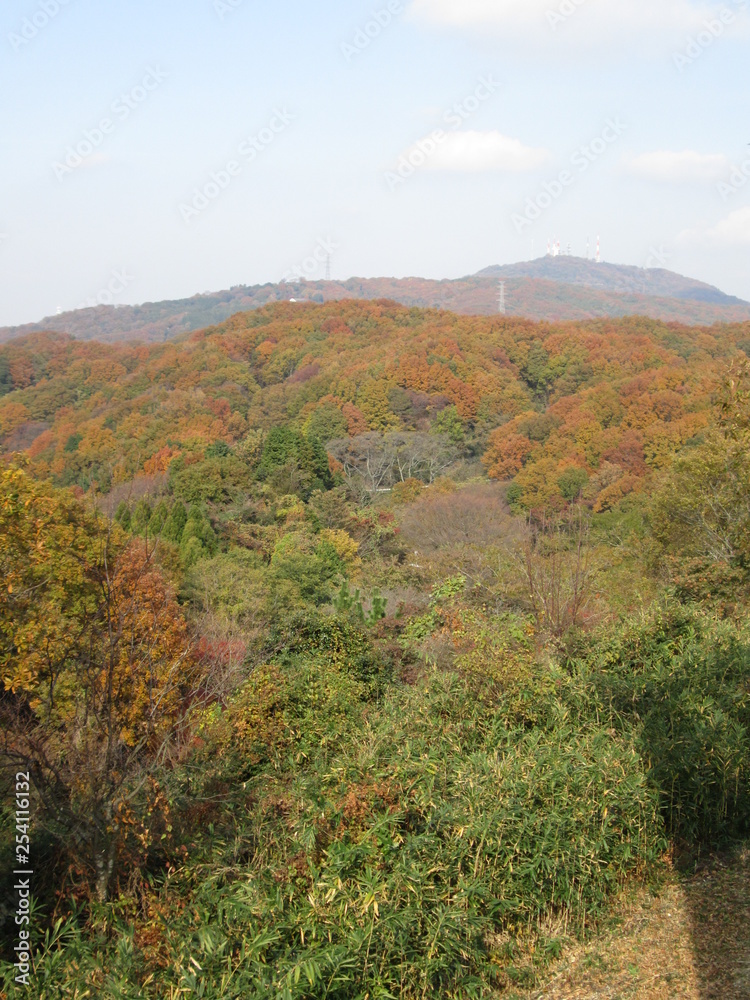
<point>328,267</point>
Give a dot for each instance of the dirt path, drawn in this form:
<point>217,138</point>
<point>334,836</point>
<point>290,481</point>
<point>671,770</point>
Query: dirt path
<point>690,943</point>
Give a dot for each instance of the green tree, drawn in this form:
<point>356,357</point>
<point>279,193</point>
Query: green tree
<point>449,423</point>
<point>327,423</point>
<point>217,478</point>
<point>175,523</point>
<point>198,537</point>
<point>311,568</point>
<point>141,517</point>
<point>282,446</point>
<point>536,370</point>
<point>314,460</point>
<point>71,445</point>
<point>6,379</point>
<point>220,449</point>
<point>295,463</point>
<point>122,516</point>
<point>158,520</point>
<point>571,483</point>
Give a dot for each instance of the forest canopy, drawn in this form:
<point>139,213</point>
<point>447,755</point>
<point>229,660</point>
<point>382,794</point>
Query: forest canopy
<point>362,650</point>
<point>586,408</point>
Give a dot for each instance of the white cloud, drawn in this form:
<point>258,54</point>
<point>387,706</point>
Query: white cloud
<point>578,23</point>
<point>734,229</point>
<point>731,231</point>
<point>474,152</point>
<point>688,165</point>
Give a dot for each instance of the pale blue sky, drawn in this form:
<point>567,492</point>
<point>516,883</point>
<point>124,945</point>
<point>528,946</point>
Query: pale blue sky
<point>328,172</point>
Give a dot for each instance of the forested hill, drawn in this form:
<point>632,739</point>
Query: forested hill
<point>551,289</point>
<point>619,279</point>
<point>611,399</point>
<point>306,705</point>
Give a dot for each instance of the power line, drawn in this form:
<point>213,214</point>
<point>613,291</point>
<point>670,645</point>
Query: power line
<point>501,303</point>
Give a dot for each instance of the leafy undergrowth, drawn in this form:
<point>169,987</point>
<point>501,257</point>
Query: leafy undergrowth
<point>344,836</point>
<point>420,847</point>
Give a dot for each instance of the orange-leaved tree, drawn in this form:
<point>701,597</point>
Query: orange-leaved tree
<point>97,670</point>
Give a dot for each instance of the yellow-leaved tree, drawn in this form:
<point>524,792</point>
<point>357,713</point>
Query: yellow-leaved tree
<point>97,671</point>
<point>700,512</point>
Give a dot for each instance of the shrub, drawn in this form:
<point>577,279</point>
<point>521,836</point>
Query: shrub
<point>339,641</point>
<point>514,498</point>
<point>681,681</point>
<point>411,855</point>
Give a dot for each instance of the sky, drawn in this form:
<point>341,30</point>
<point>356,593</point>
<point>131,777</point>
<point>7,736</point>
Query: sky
<point>153,149</point>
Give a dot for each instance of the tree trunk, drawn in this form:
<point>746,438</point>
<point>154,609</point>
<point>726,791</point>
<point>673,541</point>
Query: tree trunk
<point>105,865</point>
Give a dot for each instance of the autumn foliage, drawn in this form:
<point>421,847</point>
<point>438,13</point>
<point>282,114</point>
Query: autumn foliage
<point>362,648</point>
<point>534,399</point>
<point>96,665</point>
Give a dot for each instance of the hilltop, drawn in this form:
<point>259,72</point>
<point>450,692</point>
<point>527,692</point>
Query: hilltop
<point>619,279</point>
<point>548,289</point>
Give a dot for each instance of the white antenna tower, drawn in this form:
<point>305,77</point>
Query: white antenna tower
<point>328,267</point>
<point>501,303</point>
<point>598,250</point>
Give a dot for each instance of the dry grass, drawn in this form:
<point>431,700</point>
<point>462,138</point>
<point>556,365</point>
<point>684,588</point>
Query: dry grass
<point>692,942</point>
<point>719,901</point>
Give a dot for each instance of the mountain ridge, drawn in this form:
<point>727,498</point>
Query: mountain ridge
<point>619,278</point>
<point>547,289</point>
